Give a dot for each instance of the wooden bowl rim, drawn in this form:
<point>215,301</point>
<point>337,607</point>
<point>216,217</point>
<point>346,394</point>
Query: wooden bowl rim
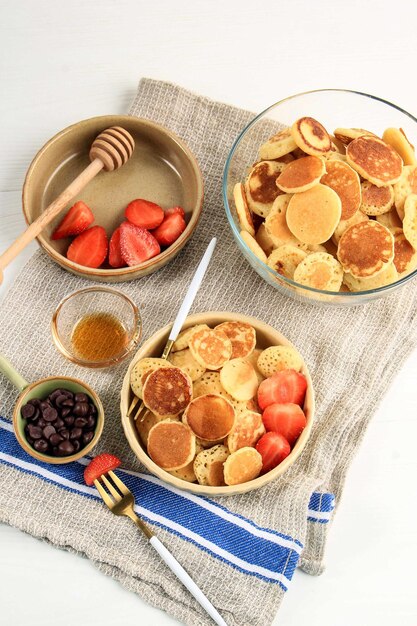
<point>112,120</point>
<point>210,318</point>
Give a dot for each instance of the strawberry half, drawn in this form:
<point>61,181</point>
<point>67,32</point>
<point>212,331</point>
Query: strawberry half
<point>273,448</point>
<point>89,248</point>
<point>144,213</point>
<point>282,387</point>
<point>115,253</point>
<point>78,218</point>
<point>100,465</point>
<point>286,419</point>
<point>175,209</point>
<point>137,244</point>
<point>170,229</point>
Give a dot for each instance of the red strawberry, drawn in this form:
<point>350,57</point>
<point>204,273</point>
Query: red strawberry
<point>286,419</point>
<point>100,465</point>
<point>89,248</point>
<point>144,213</point>
<point>282,387</point>
<point>137,244</point>
<point>115,254</point>
<point>170,229</point>
<point>175,209</point>
<point>78,218</point>
<point>273,449</point>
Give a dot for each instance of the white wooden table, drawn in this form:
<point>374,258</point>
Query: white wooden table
<point>64,61</point>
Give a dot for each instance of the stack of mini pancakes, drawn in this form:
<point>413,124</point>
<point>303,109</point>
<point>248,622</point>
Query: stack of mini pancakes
<point>203,421</point>
<point>333,212</point>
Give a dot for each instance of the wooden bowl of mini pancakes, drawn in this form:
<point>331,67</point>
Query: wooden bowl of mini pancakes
<point>161,169</point>
<point>266,336</point>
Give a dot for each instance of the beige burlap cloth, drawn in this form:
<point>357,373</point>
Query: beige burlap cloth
<point>353,355</point>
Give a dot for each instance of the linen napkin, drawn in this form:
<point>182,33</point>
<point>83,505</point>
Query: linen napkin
<point>255,540</point>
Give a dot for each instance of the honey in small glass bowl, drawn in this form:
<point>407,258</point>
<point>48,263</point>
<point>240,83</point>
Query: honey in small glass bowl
<point>96,327</point>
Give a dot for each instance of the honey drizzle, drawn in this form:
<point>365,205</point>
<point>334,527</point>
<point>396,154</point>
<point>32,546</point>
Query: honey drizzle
<point>98,336</point>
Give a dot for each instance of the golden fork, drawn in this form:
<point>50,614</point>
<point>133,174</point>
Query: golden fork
<point>179,320</point>
<point>120,501</point>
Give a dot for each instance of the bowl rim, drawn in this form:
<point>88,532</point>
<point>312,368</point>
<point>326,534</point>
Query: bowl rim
<point>45,458</point>
<point>133,343</point>
<point>274,275</point>
<point>124,271</point>
<point>133,438</point>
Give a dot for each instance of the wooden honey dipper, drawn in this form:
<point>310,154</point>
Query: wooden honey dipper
<point>110,150</point>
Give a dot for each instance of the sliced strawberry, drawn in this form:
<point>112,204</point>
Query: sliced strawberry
<point>170,229</point>
<point>100,465</point>
<point>89,248</point>
<point>78,218</point>
<point>282,387</point>
<point>137,244</point>
<point>273,448</point>
<point>115,254</point>
<point>175,209</point>
<point>144,213</point>
<point>286,419</point>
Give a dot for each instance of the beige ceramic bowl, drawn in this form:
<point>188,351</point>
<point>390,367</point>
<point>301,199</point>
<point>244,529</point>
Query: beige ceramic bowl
<point>162,169</point>
<point>266,336</point>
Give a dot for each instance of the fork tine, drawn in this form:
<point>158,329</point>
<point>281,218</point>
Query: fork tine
<point>119,483</point>
<point>140,414</point>
<point>116,495</point>
<point>105,496</point>
<point>132,405</point>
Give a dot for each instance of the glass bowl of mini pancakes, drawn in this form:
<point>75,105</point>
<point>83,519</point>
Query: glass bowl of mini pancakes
<point>320,192</point>
<point>208,426</point>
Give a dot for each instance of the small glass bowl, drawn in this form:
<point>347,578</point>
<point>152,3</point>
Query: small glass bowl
<point>90,302</point>
<point>333,108</point>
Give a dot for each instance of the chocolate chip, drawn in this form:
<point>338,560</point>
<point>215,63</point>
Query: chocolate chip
<point>56,439</point>
<point>66,448</point>
<point>80,422</point>
<point>44,405</point>
<point>27,411</point>
<point>81,409</point>
<point>64,432</point>
<point>87,437</point>
<point>91,422</point>
<point>68,402</point>
<point>76,445</point>
<point>48,431</point>
<point>41,445</point>
<point>69,420</point>
<point>34,431</point>
<point>59,423</point>
<point>76,433</point>
<point>93,408</point>
<point>41,422</point>
<point>66,411</point>
<point>81,397</point>
<point>50,414</point>
<point>60,399</point>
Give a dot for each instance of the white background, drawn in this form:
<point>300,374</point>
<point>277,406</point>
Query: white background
<point>65,61</point>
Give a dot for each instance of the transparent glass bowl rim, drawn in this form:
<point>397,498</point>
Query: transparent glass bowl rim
<point>252,255</point>
<point>108,362</point>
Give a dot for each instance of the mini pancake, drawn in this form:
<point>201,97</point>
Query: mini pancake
<point>374,160</point>
<point>181,343</point>
<point>264,240</point>
<point>366,249</point>
<point>242,336</point>
<point>301,174</point>
<point>253,245</point>
<point>336,156</point>
<point>276,222</point>
<point>376,200</point>
<point>247,430</point>
<point>285,259</point>
<point>345,182</point>
<point>171,445</point>
<point>242,209</point>
<point>312,216</point>
<point>388,276</point>
<point>390,220</point>
<point>144,426</point>
<point>404,187</point>
<point>243,465</point>
<point>253,360</point>
<point>239,379</point>
<point>211,348</point>
<point>208,466</point>
<point>346,135</point>
<point>185,361</point>
<point>330,247</point>
<point>167,391</point>
<point>278,145</point>
<point>277,358</point>
<point>141,371</point>
<point>210,383</point>
<point>260,187</point>
<point>345,224</point>
<point>321,271</point>
<point>397,138</point>
<point>311,136</point>
<point>338,146</point>
<point>186,473</point>
<point>210,417</point>
<point>405,256</point>
<point>410,220</point>
<point>205,445</point>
